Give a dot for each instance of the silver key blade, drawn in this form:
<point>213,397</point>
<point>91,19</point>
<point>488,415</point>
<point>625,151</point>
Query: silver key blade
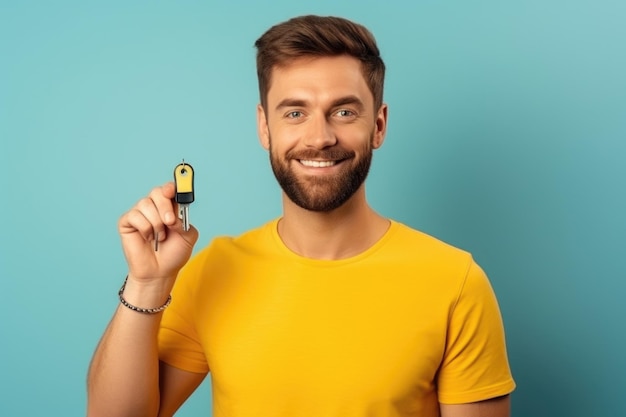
<point>183,214</point>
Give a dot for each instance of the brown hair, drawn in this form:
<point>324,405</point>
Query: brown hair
<point>319,36</point>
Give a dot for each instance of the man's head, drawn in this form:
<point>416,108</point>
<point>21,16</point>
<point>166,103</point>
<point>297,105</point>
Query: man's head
<point>321,82</point>
<point>317,36</point>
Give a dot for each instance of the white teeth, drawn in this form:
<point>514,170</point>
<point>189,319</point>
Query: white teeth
<point>317,164</point>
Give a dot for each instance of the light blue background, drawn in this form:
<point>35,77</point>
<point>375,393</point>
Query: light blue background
<point>506,138</point>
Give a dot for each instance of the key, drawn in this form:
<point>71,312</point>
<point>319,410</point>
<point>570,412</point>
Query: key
<point>183,177</point>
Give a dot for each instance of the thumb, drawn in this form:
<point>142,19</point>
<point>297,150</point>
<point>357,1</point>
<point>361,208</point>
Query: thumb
<point>190,237</point>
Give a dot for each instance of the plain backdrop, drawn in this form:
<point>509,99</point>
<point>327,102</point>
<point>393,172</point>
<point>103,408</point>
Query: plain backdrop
<point>507,124</point>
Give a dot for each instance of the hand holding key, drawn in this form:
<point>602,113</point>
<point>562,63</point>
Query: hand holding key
<point>154,217</point>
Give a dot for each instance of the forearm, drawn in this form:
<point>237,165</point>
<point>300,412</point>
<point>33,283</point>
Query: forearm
<point>123,377</point>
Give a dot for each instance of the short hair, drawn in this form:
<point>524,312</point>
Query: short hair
<point>319,36</point>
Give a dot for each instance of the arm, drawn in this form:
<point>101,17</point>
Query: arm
<point>495,407</point>
<point>124,377</point>
<point>176,386</point>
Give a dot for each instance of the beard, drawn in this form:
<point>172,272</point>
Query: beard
<point>322,193</point>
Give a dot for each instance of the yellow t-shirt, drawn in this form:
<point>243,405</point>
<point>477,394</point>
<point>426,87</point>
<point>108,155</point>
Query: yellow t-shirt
<point>393,331</point>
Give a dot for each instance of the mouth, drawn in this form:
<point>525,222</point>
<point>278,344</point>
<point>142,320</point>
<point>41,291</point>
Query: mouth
<point>317,164</point>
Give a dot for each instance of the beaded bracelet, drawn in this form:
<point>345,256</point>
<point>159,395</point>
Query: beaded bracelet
<point>139,309</point>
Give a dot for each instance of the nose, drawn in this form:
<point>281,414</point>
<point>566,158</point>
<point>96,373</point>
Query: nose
<point>319,134</point>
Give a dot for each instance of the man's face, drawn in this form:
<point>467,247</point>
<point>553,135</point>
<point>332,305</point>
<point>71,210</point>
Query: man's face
<point>320,127</point>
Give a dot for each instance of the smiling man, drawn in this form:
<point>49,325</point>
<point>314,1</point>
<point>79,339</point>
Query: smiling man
<point>323,111</point>
<point>331,309</point>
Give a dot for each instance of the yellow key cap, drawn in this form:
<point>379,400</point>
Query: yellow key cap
<point>183,177</point>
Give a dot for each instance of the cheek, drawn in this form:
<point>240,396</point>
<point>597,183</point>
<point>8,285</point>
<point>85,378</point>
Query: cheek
<point>284,138</point>
<point>355,137</point>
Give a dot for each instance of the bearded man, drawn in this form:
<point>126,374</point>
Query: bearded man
<point>329,310</point>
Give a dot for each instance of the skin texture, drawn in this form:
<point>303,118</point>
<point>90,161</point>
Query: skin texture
<point>495,407</point>
<point>318,109</point>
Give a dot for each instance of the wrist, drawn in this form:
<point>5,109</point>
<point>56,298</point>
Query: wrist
<point>145,297</point>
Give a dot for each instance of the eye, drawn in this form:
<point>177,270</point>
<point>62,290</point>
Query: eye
<point>295,114</point>
<point>345,113</point>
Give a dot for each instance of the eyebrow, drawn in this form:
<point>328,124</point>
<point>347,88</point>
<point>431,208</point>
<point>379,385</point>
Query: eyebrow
<point>351,99</point>
<point>341,101</point>
<point>291,102</point>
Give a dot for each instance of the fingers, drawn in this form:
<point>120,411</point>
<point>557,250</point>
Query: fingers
<point>161,198</point>
<point>152,215</point>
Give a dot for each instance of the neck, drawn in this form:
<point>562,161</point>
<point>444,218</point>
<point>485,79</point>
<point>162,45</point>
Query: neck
<point>342,233</point>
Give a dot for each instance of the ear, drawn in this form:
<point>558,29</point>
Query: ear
<point>380,127</point>
<point>262,128</point>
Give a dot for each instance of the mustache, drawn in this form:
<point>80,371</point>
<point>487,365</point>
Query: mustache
<point>332,154</point>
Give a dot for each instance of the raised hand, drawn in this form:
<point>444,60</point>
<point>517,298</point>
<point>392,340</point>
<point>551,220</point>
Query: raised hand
<point>153,217</point>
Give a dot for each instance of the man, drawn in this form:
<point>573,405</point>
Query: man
<point>330,310</point>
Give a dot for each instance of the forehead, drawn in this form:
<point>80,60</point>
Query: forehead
<point>318,79</point>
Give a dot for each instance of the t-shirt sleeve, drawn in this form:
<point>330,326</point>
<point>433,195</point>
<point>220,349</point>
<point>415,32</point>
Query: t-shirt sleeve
<point>178,340</point>
<point>475,365</point>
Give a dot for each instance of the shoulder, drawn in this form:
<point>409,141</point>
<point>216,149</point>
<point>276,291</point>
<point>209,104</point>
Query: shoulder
<point>223,255</point>
<point>254,240</point>
<point>418,245</point>
<point>407,234</point>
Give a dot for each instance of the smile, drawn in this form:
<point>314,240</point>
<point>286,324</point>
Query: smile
<point>317,164</point>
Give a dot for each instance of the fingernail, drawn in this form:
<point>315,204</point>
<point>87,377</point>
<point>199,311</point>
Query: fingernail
<point>169,218</point>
